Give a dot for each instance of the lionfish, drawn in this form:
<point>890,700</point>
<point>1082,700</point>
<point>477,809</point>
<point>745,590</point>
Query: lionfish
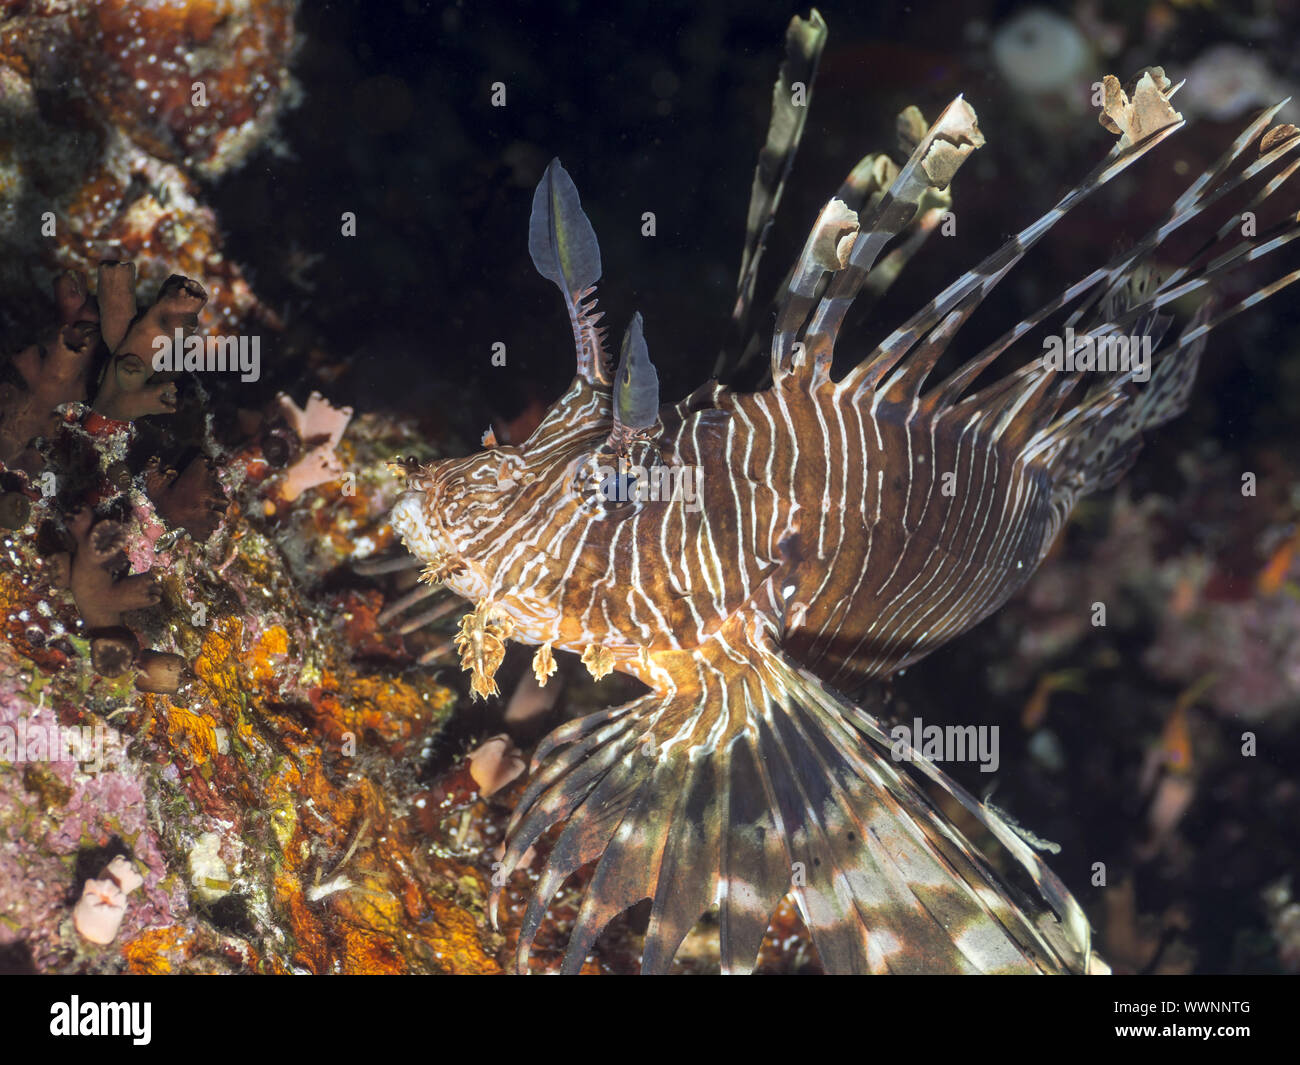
<point>841,530</point>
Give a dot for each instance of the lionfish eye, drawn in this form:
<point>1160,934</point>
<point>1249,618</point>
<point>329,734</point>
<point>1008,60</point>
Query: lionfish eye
<point>619,486</point>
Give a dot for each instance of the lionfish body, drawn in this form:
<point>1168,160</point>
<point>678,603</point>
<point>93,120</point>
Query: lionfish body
<point>839,530</point>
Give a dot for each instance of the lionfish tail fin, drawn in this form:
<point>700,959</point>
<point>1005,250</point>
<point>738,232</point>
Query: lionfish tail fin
<point>756,786</point>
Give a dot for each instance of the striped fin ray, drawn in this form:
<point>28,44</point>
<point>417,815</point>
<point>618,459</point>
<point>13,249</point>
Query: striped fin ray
<point>563,247</point>
<point>883,892</point>
<point>982,279</point>
<point>1103,442</point>
<point>756,783</point>
<point>1070,941</point>
<point>1203,193</point>
<point>942,150</point>
<point>1242,253</point>
<point>1105,454</point>
<point>864,185</point>
<point>1093,443</point>
<point>1105,283</point>
<point>599,769</point>
<point>755,867</point>
<point>1190,276</point>
<point>1254,299</point>
<point>932,165</point>
<point>804,41</point>
<point>861,192</point>
<point>1233,222</point>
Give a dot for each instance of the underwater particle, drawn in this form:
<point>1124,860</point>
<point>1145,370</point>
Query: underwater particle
<point>99,912</point>
<point>494,764</point>
<point>1045,748</point>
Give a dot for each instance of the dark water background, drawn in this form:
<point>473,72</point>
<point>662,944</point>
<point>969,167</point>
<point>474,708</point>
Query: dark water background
<point>660,108</point>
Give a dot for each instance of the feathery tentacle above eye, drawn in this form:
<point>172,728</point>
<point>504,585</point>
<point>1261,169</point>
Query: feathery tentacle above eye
<point>636,386</point>
<point>563,247</point>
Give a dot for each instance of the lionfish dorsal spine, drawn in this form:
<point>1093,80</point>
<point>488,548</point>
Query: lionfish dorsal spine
<point>804,41</point>
<point>564,249</point>
<point>969,291</point>
<point>932,165</point>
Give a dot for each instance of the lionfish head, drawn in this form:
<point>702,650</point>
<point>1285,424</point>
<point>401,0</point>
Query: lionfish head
<point>462,516</point>
<point>450,506</point>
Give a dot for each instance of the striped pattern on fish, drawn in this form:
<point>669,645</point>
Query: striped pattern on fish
<point>843,530</point>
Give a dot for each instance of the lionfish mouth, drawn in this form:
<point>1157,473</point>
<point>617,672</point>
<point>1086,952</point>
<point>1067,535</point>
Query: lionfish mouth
<point>412,519</point>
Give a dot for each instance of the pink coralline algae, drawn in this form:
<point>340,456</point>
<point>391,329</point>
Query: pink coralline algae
<point>76,796</point>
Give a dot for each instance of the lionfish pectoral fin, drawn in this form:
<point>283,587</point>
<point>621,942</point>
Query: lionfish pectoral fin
<point>984,922</point>
<point>564,249</point>
<point>1097,441</point>
<point>757,786</point>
